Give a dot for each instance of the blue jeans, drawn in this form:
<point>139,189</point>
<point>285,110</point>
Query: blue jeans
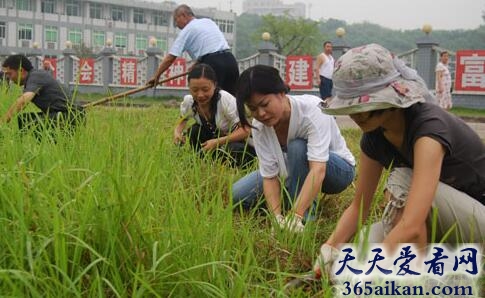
<point>339,174</point>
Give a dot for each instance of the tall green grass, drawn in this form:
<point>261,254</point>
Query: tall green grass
<point>118,211</point>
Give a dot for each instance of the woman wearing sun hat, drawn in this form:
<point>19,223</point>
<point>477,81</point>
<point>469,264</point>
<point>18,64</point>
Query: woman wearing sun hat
<point>435,159</point>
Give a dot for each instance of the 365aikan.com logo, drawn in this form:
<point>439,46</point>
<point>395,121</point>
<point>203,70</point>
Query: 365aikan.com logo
<point>436,271</point>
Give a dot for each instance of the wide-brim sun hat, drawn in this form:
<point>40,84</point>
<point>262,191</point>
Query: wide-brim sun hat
<point>369,78</point>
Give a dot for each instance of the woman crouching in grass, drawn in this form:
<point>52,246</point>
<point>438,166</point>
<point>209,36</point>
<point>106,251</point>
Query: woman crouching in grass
<point>217,129</point>
<point>437,161</point>
<point>294,141</point>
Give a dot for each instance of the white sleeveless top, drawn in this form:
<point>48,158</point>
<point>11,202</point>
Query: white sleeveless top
<point>326,69</point>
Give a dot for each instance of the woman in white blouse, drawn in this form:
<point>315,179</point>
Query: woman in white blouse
<point>295,143</point>
<point>217,128</point>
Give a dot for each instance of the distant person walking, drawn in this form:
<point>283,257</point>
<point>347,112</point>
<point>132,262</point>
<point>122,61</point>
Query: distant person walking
<point>443,82</point>
<point>324,68</point>
<point>204,42</point>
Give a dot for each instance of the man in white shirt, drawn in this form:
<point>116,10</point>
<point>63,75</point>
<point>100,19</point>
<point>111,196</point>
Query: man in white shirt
<point>204,42</point>
<point>324,69</point>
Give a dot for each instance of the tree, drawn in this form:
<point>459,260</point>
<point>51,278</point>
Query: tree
<point>293,36</point>
<point>247,39</point>
<point>83,51</point>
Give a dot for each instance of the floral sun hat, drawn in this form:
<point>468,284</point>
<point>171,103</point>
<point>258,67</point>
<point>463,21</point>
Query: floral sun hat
<point>369,78</point>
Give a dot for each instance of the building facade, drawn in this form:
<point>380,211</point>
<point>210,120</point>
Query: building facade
<point>88,24</point>
<point>274,7</point>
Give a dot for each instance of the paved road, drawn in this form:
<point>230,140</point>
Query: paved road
<point>346,122</point>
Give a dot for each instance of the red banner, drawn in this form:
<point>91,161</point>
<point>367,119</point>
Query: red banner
<point>86,71</point>
<point>299,72</point>
<point>178,67</point>
<point>128,71</point>
<point>50,64</point>
<point>470,71</point>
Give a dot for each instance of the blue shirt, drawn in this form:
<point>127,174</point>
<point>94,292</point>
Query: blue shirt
<point>199,37</point>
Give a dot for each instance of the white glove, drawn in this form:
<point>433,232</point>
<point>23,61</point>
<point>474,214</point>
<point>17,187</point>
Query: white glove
<point>328,255</point>
<point>294,223</point>
<point>280,220</point>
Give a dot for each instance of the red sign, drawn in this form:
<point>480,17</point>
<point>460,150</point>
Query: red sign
<point>50,64</point>
<point>299,72</point>
<point>177,67</point>
<point>128,71</point>
<point>470,71</point>
<point>86,71</point>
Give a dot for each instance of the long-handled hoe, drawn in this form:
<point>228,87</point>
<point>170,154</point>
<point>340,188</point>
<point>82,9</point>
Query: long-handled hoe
<point>132,91</point>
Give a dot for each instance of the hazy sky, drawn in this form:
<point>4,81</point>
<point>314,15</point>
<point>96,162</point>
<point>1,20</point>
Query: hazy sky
<point>402,14</point>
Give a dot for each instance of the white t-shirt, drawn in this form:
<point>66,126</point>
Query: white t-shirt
<point>326,69</point>
<point>199,37</point>
<point>306,122</point>
<point>226,114</point>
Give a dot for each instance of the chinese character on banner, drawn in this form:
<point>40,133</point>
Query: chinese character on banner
<point>128,71</point>
<point>86,71</point>
<point>53,63</point>
<point>470,71</point>
<point>177,67</point>
<point>299,72</point>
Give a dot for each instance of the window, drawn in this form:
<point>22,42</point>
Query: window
<point>50,34</point>
<point>3,30</point>
<point>121,40</point>
<point>98,38</point>
<point>95,10</point>
<point>72,8</point>
<point>138,16</point>
<point>3,3</point>
<point>162,43</point>
<point>117,13</point>
<point>25,31</point>
<point>48,6</point>
<point>25,5</point>
<point>230,26</point>
<point>140,42</point>
<point>161,18</point>
<point>75,36</point>
<point>222,25</point>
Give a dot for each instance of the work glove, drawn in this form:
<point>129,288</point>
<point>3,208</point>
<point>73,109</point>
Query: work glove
<point>294,223</point>
<point>323,264</point>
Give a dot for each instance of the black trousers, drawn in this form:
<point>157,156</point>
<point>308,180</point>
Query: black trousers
<point>41,123</point>
<point>226,69</point>
<point>237,154</point>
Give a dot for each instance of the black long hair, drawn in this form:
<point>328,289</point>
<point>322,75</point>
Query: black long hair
<point>260,79</point>
<point>202,70</point>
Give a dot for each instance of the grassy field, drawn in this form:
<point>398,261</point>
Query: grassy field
<point>118,211</point>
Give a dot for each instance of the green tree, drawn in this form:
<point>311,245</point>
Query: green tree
<point>83,51</point>
<point>247,38</point>
<point>293,36</point>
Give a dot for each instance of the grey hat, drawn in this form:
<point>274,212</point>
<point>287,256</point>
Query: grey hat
<point>369,78</point>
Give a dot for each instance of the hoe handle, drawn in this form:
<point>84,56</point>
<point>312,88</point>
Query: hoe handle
<point>132,91</point>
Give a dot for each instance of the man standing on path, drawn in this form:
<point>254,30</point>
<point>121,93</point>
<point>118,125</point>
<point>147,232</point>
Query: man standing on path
<point>204,42</point>
<point>324,68</point>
